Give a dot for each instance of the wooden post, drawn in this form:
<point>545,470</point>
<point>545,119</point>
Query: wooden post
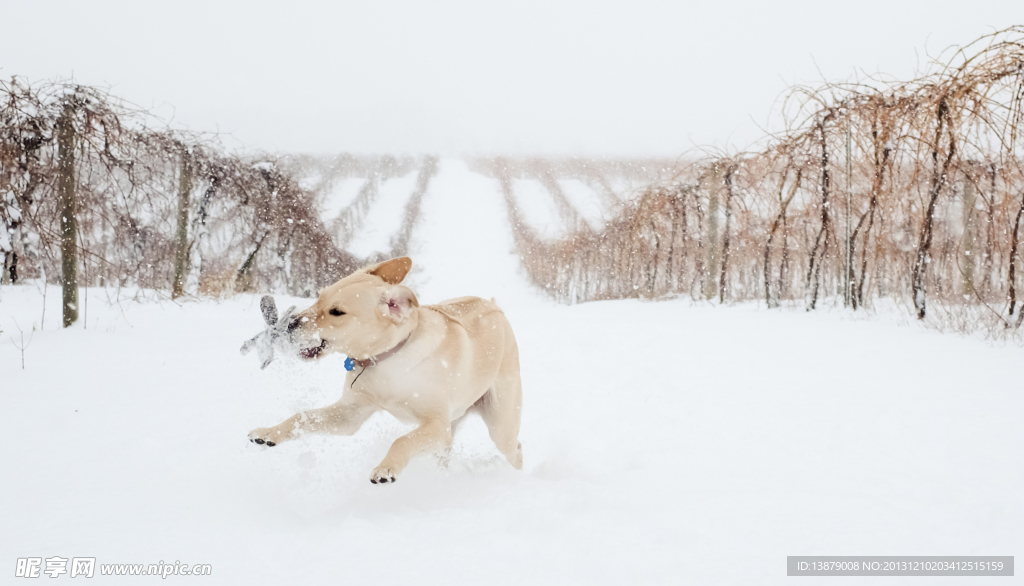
<point>711,281</point>
<point>848,265</point>
<point>969,236</point>
<point>68,205</point>
<point>723,282</point>
<point>181,255</point>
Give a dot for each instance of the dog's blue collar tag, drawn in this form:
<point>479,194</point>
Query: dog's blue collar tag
<point>350,364</point>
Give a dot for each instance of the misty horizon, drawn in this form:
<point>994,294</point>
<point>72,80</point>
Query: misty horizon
<point>457,78</point>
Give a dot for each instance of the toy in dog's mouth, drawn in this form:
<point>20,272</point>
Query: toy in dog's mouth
<point>313,352</point>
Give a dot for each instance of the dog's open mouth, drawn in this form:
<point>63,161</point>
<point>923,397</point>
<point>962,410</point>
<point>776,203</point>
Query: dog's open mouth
<point>314,352</point>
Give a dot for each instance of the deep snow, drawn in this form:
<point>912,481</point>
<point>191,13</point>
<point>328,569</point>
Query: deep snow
<point>664,442</point>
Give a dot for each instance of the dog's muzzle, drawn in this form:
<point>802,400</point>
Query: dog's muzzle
<point>314,351</point>
<point>305,338</point>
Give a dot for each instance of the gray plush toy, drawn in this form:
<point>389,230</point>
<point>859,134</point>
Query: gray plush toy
<point>276,334</point>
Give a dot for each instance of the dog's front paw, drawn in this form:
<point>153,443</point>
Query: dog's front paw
<point>383,475</point>
<point>264,435</point>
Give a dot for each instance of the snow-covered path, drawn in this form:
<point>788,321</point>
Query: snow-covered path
<point>664,443</point>
<point>463,245</point>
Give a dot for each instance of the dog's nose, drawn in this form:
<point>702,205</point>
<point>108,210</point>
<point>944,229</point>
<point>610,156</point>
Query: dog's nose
<point>294,323</point>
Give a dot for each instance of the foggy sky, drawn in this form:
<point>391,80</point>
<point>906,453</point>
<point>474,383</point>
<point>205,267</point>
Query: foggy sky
<point>591,78</point>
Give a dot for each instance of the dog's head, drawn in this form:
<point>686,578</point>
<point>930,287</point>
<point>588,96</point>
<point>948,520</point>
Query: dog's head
<point>364,314</point>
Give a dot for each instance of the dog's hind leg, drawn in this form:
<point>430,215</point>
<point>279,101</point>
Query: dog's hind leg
<point>500,409</point>
<point>501,406</point>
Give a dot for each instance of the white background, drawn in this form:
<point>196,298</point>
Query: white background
<point>468,77</point>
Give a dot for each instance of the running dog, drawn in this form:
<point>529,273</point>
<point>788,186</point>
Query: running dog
<point>428,365</point>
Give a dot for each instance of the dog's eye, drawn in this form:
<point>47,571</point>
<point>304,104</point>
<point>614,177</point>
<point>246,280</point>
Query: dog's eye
<point>336,312</point>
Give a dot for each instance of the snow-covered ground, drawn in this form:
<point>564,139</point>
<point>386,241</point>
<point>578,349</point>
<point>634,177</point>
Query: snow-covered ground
<point>384,218</point>
<point>625,187</point>
<point>664,442</point>
<point>538,208</point>
<point>585,201</point>
<point>341,193</point>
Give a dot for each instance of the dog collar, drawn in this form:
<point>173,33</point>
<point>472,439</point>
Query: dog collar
<point>351,363</point>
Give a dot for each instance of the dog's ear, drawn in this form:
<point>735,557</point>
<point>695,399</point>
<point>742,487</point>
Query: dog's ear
<point>397,303</point>
<point>392,271</point>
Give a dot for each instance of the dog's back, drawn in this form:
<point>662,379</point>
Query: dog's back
<point>465,311</point>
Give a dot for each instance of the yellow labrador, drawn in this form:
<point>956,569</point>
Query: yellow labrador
<point>428,365</point>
